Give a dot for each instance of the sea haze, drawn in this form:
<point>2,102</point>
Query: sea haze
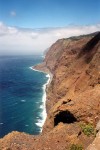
<point>21,95</point>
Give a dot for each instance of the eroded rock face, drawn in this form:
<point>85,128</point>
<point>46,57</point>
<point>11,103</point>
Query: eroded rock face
<point>73,97</point>
<point>75,87</point>
<point>98,126</point>
<point>96,143</point>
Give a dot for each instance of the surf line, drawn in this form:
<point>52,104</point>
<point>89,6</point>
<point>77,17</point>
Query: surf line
<point>40,122</point>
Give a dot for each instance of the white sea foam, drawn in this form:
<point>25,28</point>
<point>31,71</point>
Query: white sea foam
<point>41,122</point>
<point>36,69</point>
<point>47,75</point>
<point>23,100</point>
<point>43,56</point>
<point>37,102</point>
<point>37,117</point>
<point>31,68</point>
<point>1,123</point>
<point>41,106</point>
<point>43,114</point>
<point>26,125</point>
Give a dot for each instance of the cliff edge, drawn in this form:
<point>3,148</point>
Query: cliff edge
<point>73,98</point>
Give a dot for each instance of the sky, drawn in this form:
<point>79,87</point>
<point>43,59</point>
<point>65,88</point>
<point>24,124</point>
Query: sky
<point>31,26</point>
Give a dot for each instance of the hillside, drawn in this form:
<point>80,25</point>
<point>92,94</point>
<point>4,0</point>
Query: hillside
<point>73,98</point>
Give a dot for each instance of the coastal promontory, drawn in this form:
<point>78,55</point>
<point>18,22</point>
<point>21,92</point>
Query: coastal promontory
<point>73,98</point>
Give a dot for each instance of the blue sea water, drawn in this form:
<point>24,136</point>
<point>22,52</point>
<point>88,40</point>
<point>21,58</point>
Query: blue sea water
<point>21,94</point>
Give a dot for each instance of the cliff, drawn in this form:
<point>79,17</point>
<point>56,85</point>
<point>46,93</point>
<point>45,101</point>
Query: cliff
<point>73,98</point>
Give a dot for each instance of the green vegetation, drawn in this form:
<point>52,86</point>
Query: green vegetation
<point>88,129</point>
<point>76,147</point>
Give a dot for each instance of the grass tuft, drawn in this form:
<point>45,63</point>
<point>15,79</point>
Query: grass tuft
<point>88,129</point>
<point>76,147</point>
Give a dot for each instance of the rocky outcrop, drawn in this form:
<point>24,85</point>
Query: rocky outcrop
<point>75,85</point>
<point>73,96</point>
<point>96,143</point>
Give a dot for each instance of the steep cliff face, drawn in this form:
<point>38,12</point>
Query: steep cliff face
<point>76,80</point>
<point>73,96</point>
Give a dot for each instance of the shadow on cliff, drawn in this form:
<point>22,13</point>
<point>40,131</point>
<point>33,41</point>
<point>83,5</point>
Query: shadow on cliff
<point>90,48</point>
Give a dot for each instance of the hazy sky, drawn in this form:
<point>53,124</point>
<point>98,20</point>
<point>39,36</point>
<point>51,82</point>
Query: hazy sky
<point>31,26</point>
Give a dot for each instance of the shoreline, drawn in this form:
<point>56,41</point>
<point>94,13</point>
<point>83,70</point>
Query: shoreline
<point>45,72</point>
<point>41,123</point>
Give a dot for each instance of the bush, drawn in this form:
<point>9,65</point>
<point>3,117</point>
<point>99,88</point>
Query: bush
<point>76,147</point>
<point>88,129</point>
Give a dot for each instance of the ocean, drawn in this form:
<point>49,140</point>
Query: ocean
<point>22,95</point>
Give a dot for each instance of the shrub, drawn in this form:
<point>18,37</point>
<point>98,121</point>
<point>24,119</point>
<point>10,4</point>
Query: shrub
<point>76,147</point>
<point>88,129</point>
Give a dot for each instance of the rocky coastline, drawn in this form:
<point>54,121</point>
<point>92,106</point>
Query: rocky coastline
<point>73,98</point>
